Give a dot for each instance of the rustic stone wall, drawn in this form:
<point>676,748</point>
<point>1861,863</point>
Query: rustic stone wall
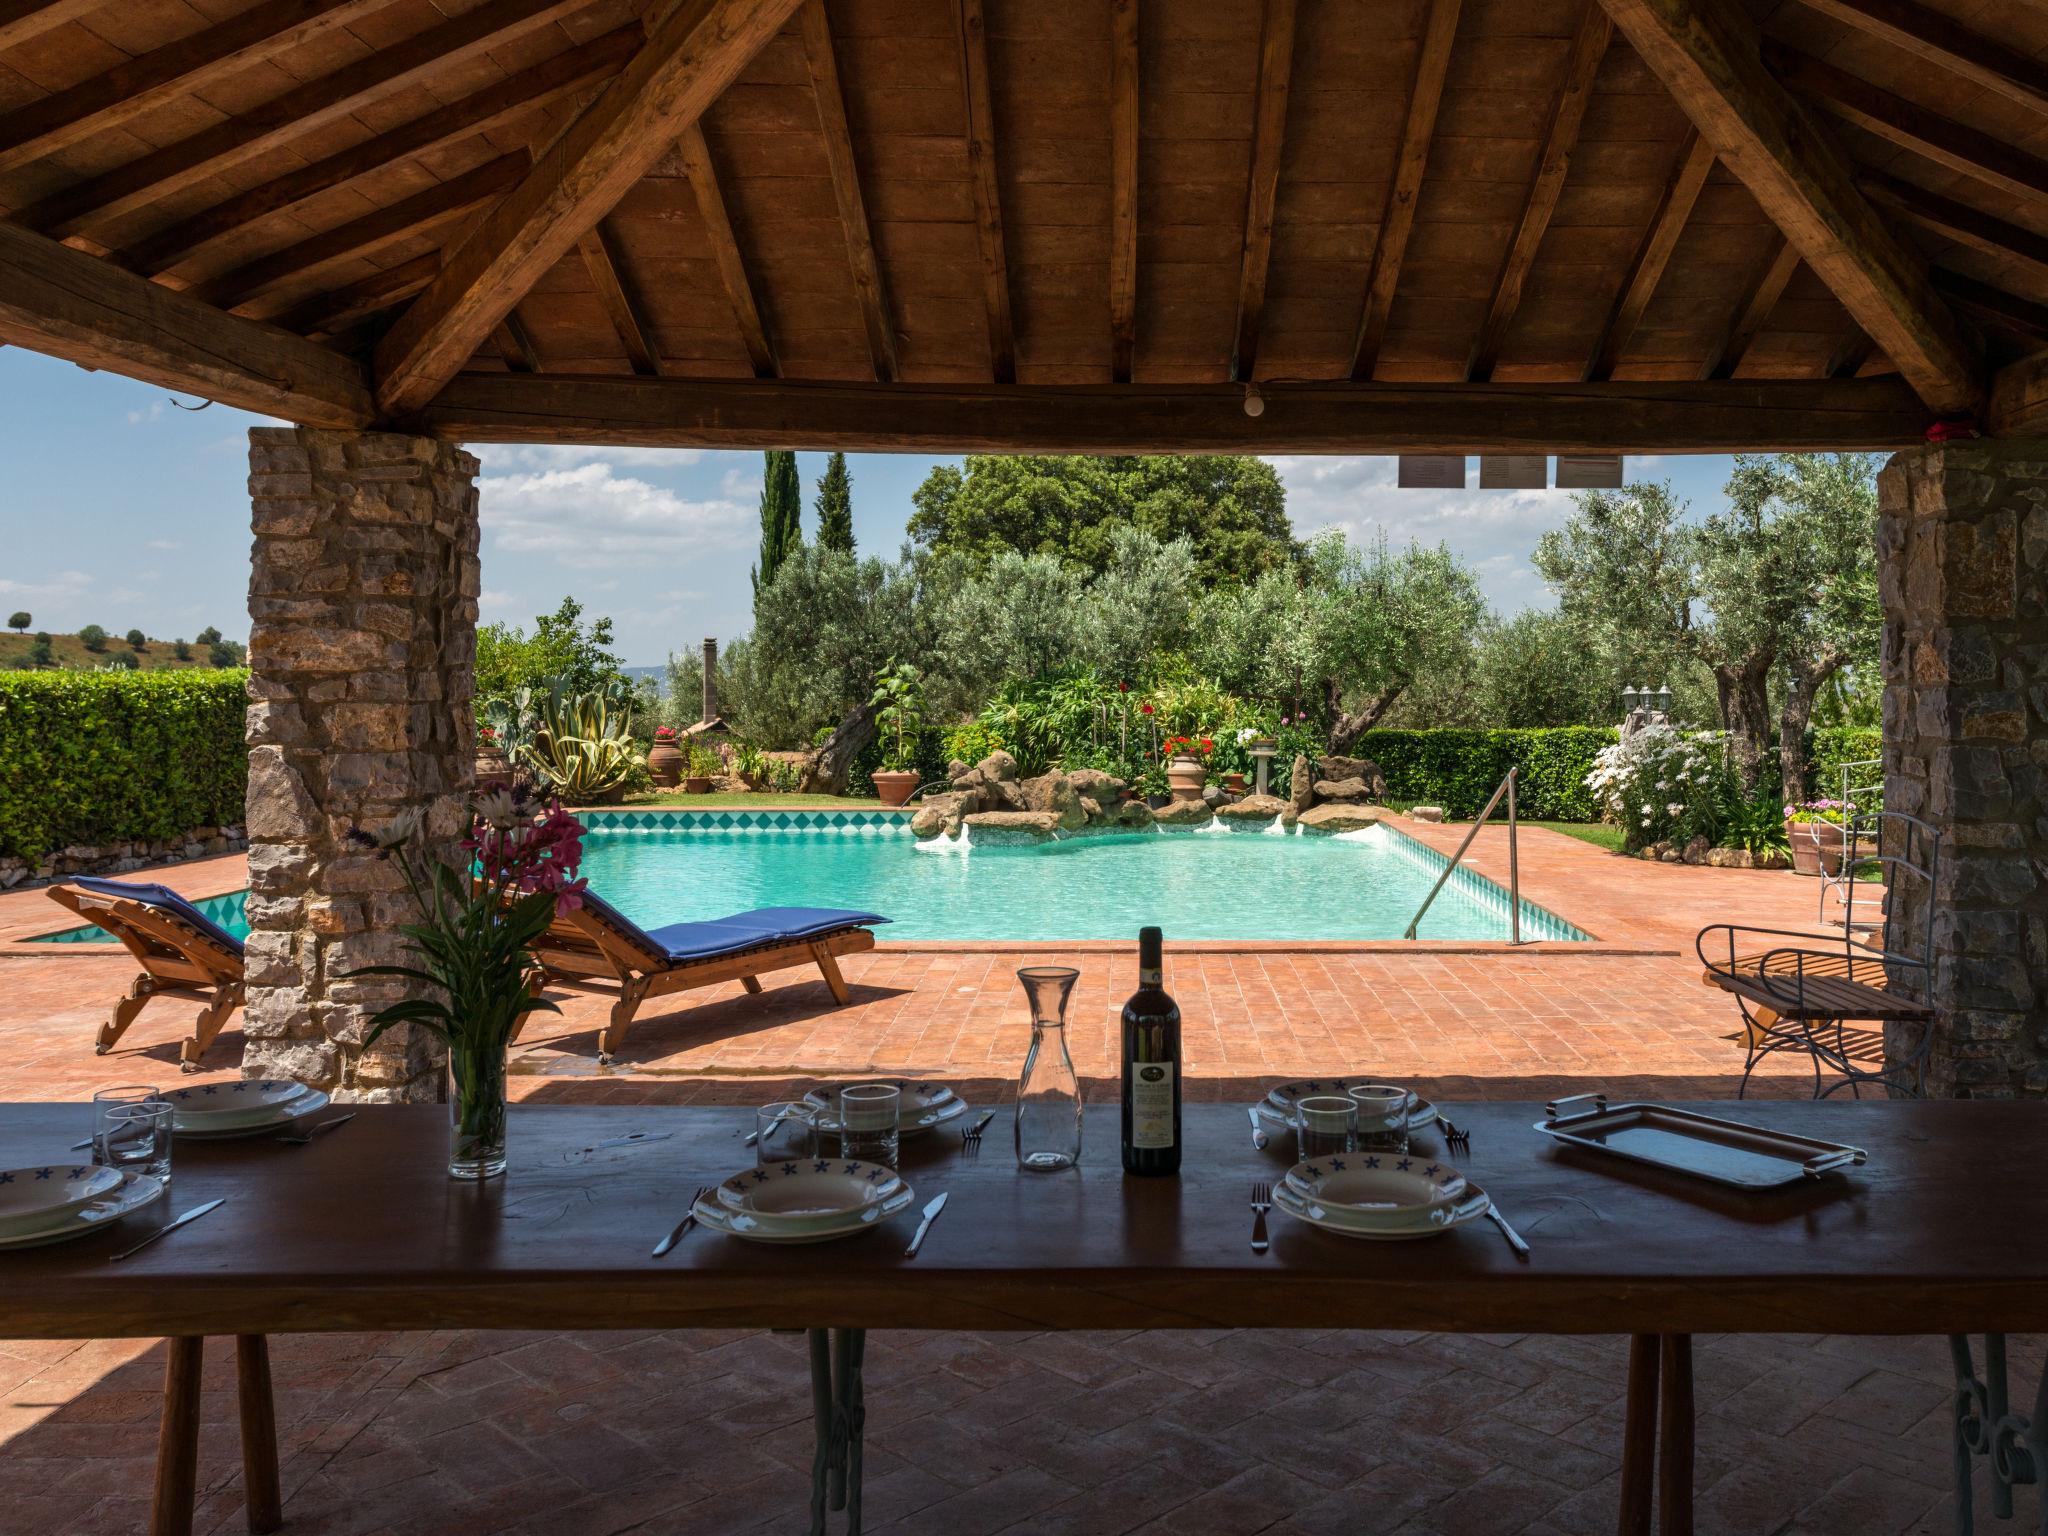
<point>362,654</point>
<point>119,858</point>
<point>1963,550</point>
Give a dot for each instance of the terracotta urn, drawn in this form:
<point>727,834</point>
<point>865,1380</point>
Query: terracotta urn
<point>1816,847</point>
<point>697,784</point>
<point>1234,782</point>
<point>1186,775</point>
<point>895,785</point>
<point>492,766</point>
<point>665,761</point>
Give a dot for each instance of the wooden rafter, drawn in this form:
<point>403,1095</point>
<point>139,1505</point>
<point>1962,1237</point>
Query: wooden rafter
<point>515,344</point>
<point>725,250</point>
<point>329,313</point>
<point>1269,134</point>
<point>1575,91</point>
<point>1764,293</point>
<point>1708,54</point>
<point>1960,222</point>
<point>294,114</point>
<point>1123,188</point>
<point>2019,399</point>
<point>695,52</point>
<point>1994,303</point>
<point>21,20</point>
<point>988,200</point>
<point>1186,418</point>
<point>1943,41</point>
<point>1984,156</point>
<point>1848,359</point>
<point>601,259</point>
<point>1397,219</point>
<point>1688,176</point>
<point>873,294</point>
<point>482,111</point>
<point>74,306</point>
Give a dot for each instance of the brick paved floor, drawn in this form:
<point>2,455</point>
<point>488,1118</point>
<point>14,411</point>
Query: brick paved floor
<point>1298,1434</point>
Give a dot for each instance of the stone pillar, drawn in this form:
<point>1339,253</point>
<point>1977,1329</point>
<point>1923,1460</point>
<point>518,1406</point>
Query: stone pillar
<point>362,651</point>
<point>1963,552</point>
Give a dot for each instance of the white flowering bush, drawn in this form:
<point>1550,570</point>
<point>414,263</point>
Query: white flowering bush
<point>1662,785</point>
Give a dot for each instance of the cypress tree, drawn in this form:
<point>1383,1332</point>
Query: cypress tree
<point>835,506</point>
<point>782,514</point>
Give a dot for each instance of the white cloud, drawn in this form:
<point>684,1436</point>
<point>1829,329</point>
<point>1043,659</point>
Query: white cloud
<point>59,588</point>
<point>589,517</point>
<point>163,544</point>
<point>154,412</point>
<point>536,456</point>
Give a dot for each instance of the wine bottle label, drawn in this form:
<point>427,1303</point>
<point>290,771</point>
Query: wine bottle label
<point>1150,978</point>
<point>1151,1104</point>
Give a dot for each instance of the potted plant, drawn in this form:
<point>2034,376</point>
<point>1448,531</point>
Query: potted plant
<point>1185,770</point>
<point>750,764</point>
<point>1815,830</point>
<point>1148,783</point>
<point>704,765</point>
<point>665,759</point>
<point>492,765</point>
<point>899,713</point>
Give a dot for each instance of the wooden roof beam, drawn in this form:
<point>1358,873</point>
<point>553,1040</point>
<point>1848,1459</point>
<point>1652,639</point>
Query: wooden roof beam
<point>1582,65</point>
<point>988,200</point>
<point>1960,222</point>
<point>1764,293</point>
<point>138,85</point>
<point>1397,218</point>
<point>515,344</point>
<point>601,260</point>
<point>1269,134</point>
<point>1653,255</point>
<point>74,306</point>
<point>483,111</point>
<point>1707,53</point>
<point>693,54</point>
<point>22,20</point>
<point>329,313</point>
<point>725,250</point>
<point>2019,399</point>
<point>868,287</point>
<point>1942,41</point>
<point>2023,315</point>
<point>292,115</point>
<point>1123,188</point>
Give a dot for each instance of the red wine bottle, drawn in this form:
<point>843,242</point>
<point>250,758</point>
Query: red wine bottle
<point>1151,1115</point>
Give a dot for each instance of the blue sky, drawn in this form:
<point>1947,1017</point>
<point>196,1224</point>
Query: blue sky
<point>118,508</point>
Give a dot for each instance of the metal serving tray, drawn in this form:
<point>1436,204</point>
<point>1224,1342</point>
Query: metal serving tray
<point>1725,1151</point>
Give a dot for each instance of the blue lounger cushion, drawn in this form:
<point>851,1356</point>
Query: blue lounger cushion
<point>679,942</point>
<point>164,899</point>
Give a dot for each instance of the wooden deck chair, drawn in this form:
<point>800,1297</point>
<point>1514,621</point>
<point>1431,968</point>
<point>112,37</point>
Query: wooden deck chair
<point>599,948</point>
<point>182,951</point>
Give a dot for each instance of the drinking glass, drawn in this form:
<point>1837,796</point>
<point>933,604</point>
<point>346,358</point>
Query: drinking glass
<point>868,1123</point>
<point>783,1132</point>
<point>1048,1092</point>
<point>1382,1117</point>
<point>1325,1123</point>
<point>108,1099</point>
<point>136,1138</point>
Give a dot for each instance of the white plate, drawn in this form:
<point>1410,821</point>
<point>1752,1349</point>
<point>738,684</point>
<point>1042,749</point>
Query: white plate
<point>1473,1206</point>
<point>34,1197</point>
<point>1373,1189</point>
<point>1276,1115</point>
<point>230,1101</point>
<point>135,1191</point>
<point>283,1116</point>
<point>922,1107</point>
<point>739,1224</point>
<point>809,1191</point>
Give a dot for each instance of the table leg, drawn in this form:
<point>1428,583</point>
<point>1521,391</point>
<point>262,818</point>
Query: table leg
<point>1674,1435</point>
<point>825,1421</point>
<point>177,1444</point>
<point>262,1498</point>
<point>1639,1436</point>
<point>840,1416</point>
<point>851,1350</point>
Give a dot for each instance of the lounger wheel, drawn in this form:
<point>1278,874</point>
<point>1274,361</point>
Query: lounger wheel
<point>604,1058</point>
<point>189,1067</point>
<point>101,1050</point>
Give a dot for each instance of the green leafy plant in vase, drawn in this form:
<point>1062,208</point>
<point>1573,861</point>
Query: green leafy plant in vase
<point>899,715</point>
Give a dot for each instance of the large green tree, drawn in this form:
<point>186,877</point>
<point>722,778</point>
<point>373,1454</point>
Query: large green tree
<point>782,516</point>
<point>835,506</point>
<point>1232,510</point>
<point>562,648</point>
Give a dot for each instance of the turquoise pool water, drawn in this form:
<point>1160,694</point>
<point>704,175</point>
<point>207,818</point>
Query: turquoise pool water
<point>1211,884</point>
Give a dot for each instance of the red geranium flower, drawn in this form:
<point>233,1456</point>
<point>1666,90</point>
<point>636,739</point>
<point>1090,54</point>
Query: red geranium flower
<point>1145,709</point>
<point>1208,745</point>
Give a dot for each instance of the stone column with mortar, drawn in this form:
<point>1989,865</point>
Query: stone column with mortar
<point>1963,572</point>
<point>362,654</point>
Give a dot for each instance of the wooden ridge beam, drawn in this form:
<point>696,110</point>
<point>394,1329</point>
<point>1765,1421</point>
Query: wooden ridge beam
<point>1575,91</point>
<point>725,250</point>
<point>1269,136</point>
<point>138,85</point>
<point>1123,188</point>
<point>329,313</point>
<point>296,113</point>
<point>76,307</point>
<point>1632,417</point>
<point>601,259</point>
<point>484,111</point>
<point>1941,40</point>
<point>1764,292</point>
<point>692,55</point>
<point>1397,218</point>
<point>22,20</point>
<point>988,198</point>
<point>1983,156</point>
<point>872,293</point>
<point>1708,54</point>
<point>1653,255</point>
<point>2024,315</point>
<point>1960,222</point>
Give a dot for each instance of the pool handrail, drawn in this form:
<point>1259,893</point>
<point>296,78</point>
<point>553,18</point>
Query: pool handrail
<point>1507,787</point>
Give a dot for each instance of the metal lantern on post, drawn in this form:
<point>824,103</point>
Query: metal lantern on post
<point>1660,702</point>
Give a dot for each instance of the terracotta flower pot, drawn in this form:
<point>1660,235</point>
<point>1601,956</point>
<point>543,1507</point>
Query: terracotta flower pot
<point>896,785</point>
<point>1187,776</point>
<point>697,784</point>
<point>665,761</point>
<point>1234,782</point>
<point>492,766</point>
<point>1816,847</point>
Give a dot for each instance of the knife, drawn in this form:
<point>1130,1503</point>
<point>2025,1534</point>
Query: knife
<point>1514,1238</point>
<point>172,1225</point>
<point>931,1214</point>
<point>676,1232</point>
<point>1258,1130</point>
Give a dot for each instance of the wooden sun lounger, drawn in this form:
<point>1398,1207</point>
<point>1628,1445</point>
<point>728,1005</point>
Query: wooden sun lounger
<point>177,960</point>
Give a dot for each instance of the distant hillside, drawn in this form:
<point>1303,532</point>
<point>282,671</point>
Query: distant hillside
<point>70,651</point>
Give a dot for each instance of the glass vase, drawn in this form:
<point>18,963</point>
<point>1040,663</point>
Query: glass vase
<point>476,1112</point>
<point>1048,1093</point>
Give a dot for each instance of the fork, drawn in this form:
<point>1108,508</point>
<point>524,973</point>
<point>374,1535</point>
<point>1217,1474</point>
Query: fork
<point>1262,1202</point>
<point>304,1137</point>
<point>970,1139</point>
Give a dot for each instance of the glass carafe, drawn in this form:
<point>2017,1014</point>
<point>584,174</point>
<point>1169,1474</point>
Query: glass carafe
<point>1048,1094</point>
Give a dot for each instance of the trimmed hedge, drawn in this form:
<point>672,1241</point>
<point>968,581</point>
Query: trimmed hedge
<point>100,757</point>
<point>1458,769</point>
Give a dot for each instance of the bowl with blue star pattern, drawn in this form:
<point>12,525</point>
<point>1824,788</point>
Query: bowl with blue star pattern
<point>1378,1189</point>
<point>41,1193</point>
<point>822,1196</point>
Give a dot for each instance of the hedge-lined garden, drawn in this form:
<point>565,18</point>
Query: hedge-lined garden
<point>99,757</point>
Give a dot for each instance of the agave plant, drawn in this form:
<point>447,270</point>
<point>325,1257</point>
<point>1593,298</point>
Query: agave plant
<point>582,745</point>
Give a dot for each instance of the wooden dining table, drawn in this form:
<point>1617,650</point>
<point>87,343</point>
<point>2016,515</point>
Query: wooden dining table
<point>1943,1230</point>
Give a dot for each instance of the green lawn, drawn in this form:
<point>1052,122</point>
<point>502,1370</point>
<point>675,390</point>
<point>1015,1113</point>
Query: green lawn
<point>1599,833</point>
<point>761,801</point>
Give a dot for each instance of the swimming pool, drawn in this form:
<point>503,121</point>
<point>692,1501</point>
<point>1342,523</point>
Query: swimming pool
<point>1215,883</point>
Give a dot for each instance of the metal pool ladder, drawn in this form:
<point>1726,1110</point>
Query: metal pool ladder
<point>1507,787</point>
